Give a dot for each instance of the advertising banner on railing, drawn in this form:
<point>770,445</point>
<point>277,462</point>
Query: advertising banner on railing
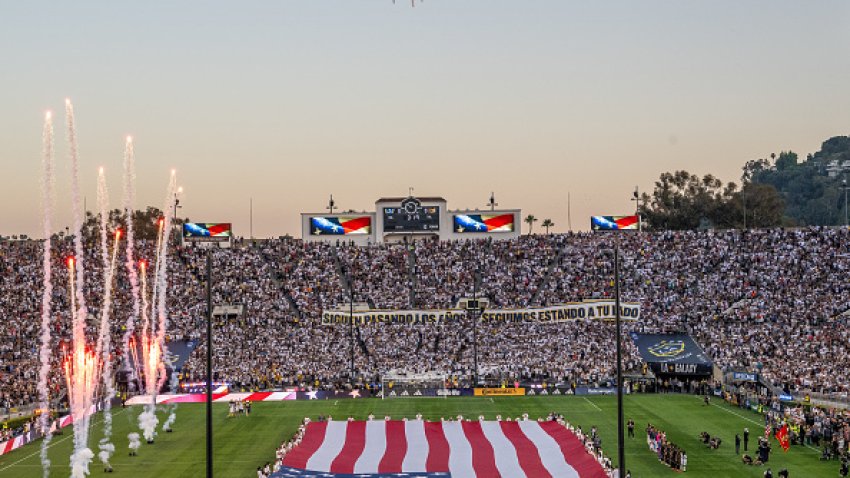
<point>499,392</point>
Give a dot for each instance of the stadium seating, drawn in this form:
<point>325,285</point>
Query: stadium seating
<point>769,300</point>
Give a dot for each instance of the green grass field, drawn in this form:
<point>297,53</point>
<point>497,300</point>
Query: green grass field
<point>243,443</point>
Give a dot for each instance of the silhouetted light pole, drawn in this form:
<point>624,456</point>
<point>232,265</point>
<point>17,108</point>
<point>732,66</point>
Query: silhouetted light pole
<point>351,321</point>
<point>620,437</point>
<point>209,366</point>
<point>475,310</point>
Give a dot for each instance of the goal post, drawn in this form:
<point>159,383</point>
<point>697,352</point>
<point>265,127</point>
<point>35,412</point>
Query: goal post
<point>397,384</point>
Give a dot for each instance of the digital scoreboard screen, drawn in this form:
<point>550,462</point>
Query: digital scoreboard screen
<point>483,223</point>
<point>614,223</point>
<point>411,216</point>
<point>340,225</point>
<point>207,232</point>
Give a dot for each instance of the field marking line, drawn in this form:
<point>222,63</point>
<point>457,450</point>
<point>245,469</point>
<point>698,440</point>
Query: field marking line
<point>757,423</point>
<point>37,452</point>
<point>52,443</point>
<point>594,405</point>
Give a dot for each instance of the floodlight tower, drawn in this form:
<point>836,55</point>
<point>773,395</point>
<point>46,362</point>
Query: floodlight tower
<point>492,202</point>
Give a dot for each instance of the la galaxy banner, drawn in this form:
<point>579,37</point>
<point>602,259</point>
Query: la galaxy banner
<point>675,354</point>
<point>591,310</point>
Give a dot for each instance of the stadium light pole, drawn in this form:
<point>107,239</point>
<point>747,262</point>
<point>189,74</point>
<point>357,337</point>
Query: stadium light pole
<point>475,310</point>
<point>209,366</point>
<point>176,207</point>
<point>351,322</point>
<point>620,438</point>
<point>636,199</point>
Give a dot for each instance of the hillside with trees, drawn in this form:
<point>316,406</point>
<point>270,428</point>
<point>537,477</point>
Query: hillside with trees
<point>774,191</point>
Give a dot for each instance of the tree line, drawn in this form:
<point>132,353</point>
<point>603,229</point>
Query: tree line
<point>774,191</point>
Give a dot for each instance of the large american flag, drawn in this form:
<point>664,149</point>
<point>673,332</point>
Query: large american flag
<point>468,449</point>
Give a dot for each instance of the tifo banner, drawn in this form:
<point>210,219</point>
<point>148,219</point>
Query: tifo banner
<point>675,354</point>
<point>460,449</point>
<point>215,232</point>
<point>613,223</point>
<point>340,225</point>
<point>604,310</point>
<point>412,317</point>
<point>504,392</point>
<point>484,223</point>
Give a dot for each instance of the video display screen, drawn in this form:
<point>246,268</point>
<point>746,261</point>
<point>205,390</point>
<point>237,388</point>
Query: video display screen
<point>613,223</point>
<point>484,223</point>
<point>340,225</point>
<point>207,231</point>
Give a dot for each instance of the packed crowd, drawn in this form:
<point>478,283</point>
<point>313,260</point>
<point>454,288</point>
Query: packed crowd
<point>769,301</point>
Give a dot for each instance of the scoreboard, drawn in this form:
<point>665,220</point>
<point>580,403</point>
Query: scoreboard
<point>404,218</point>
<point>411,216</point>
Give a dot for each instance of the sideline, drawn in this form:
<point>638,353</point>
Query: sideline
<point>760,424</point>
<point>594,405</point>
<point>54,442</point>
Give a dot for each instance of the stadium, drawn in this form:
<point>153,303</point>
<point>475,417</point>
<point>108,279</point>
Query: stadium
<point>178,300</point>
<point>475,339</point>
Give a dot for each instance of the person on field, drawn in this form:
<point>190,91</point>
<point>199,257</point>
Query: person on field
<point>746,438</point>
<point>737,444</point>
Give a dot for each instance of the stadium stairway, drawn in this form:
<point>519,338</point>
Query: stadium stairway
<point>347,283</point>
<point>545,280</point>
<point>344,278</point>
<point>362,344</point>
<point>199,276</point>
<point>277,280</point>
<point>411,273</point>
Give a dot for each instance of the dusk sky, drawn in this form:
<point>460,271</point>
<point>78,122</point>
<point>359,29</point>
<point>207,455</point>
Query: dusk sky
<point>287,102</point>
